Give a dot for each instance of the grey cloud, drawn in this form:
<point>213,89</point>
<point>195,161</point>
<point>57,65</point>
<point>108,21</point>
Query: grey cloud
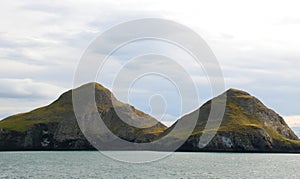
<point>11,106</point>
<point>76,40</point>
<point>277,84</point>
<point>51,7</point>
<point>47,39</point>
<point>112,17</point>
<point>289,21</point>
<point>27,88</point>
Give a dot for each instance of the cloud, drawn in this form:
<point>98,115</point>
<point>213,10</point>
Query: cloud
<point>27,88</point>
<point>51,8</point>
<point>292,121</point>
<point>289,21</point>
<point>21,95</point>
<point>42,41</point>
<point>11,68</point>
<point>10,106</point>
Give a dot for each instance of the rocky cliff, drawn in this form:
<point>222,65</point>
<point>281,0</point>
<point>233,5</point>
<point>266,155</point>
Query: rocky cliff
<point>247,126</point>
<point>54,127</point>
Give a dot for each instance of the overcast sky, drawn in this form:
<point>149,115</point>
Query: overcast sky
<point>256,42</point>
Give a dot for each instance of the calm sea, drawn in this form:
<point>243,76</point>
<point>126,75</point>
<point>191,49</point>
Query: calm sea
<point>178,165</point>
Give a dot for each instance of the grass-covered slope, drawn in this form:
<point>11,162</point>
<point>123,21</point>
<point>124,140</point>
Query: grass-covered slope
<point>52,113</point>
<point>55,126</point>
<point>248,125</point>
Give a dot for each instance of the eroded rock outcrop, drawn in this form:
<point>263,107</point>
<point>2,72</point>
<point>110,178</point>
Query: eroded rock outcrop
<point>247,126</point>
<point>54,127</point>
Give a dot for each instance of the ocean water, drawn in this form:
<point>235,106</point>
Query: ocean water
<point>177,165</point>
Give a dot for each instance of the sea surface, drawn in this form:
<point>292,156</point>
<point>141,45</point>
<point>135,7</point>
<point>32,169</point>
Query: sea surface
<point>92,164</point>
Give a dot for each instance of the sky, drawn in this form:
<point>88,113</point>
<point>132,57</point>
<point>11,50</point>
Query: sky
<point>256,43</point>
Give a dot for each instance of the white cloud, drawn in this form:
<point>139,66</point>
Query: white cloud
<point>11,106</point>
<point>22,95</point>
<point>256,42</point>
<point>27,88</point>
<point>10,68</point>
<point>292,121</point>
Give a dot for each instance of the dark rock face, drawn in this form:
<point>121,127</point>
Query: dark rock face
<point>247,126</point>
<point>55,127</point>
<point>43,137</point>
